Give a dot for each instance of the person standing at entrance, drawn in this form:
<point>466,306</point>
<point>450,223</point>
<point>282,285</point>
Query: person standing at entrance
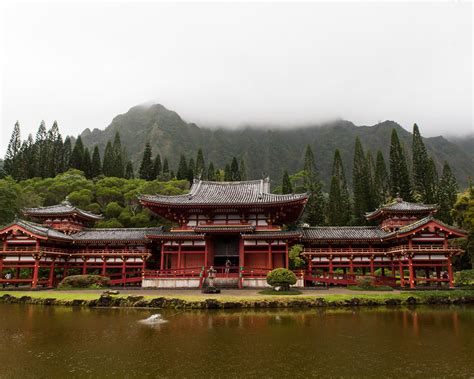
<point>228,264</point>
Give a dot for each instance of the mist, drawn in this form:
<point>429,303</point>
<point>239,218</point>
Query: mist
<point>234,64</point>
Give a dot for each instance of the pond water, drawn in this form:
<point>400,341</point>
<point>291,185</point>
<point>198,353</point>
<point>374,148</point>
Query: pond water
<point>40,341</point>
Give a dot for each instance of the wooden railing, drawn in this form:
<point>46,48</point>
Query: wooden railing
<point>397,249</point>
<point>423,249</point>
<point>174,273</point>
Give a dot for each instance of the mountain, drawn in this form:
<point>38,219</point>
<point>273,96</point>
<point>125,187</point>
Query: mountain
<point>466,143</point>
<point>266,151</point>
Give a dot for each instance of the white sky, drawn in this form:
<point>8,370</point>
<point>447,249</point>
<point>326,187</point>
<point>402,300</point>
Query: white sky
<point>229,64</point>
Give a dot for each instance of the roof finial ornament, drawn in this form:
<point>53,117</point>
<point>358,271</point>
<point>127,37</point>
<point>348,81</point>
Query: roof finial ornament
<point>66,201</point>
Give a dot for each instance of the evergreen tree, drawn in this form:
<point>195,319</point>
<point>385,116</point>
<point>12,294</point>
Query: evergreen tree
<point>96,168</point>
<point>371,197</point>
<point>234,170</point>
<point>286,186</point>
<point>211,175</point>
<point>447,194</point>
<point>314,210</point>
<point>432,188</point>
<point>42,149</point>
<point>227,173</point>
<point>157,169</point>
<point>53,151</point>
<point>77,155</point>
<point>14,146</point>
<point>67,151</point>
<point>129,171</point>
<point>360,179</point>
<point>87,164</point>
<point>108,162</point>
<point>166,169</point>
<point>58,152</point>
<point>200,170</point>
<point>146,170</point>
<point>29,158</point>
<point>339,205</point>
<point>191,167</point>
<point>243,170</point>
<point>399,176</point>
<point>118,163</point>
<point>422,172</point>
<point>182,168</point>
<point>381,179</point>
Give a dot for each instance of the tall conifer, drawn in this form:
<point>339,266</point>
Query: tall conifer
<point>360,178</point>
<point>13,149</point>
<point>447,194</point>
<point>67,151</point>
<point>339,206</point>
<point>182,172</point>
<point>96,168</point>
<point>166,169</point>
<point>87,163</point>
<point>242,169</point>
<point>129,171</point>
<point>314,210</point>
<point>42,148</point>
<point>211,175</point>
<point>157,167</point>
<point>286,186</point>
<point>146,170</point>
<point>234,170</point>
<point>422,177</point>
<point>399,176</point>
<point>108,162</point>
<point>118,164</point>
<point>200,170</point>
<point>381,179</point>
<point>77,155</point>
<point>191,168</point>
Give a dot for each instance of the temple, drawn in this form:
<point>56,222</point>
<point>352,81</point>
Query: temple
<point>240,229</point>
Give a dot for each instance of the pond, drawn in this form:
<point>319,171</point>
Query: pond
<point>41,341</point>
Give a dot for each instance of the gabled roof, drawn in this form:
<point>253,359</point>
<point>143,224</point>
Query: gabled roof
<point>399,206</point>
<point>343,233</point>
<point>115,234</point>
<point>63,209</point>
<point>418,224</point>
<point>38,230</point>
<point>202,192</point>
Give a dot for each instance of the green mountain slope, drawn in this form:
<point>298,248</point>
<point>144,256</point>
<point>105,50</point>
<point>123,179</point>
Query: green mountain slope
<point>267,151</point>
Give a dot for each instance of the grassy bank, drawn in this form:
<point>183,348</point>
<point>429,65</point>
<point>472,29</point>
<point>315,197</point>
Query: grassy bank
<point>202,301</point>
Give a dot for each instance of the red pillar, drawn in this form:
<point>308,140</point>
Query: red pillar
<point>104,265</point>
<point>450,272</point>
<point>287,258</point>
<point>84,266</point>
<point>372,270</point>
<point>410,270</point>
<point>206,252</point>
<point>400,268</point>
<point>179,255</point>
<point>34,282</point>
<point>162,259</point>
<point>269,255</point>
<point>241,253</point>
<point>330,266</point>
<point>124,270</point>
<point>351,265</point>
<point>393,266</point>
<point>51,275</point>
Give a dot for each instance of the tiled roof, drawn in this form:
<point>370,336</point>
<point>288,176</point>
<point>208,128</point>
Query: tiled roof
<point>224,228</point>
<point>267,234</point>
<point>65,208</point>
<point>401,206</point>
<point>115,234</point>
<point>40,230</point>
<point>352,233</point>
<point>210,193</point>
<point>423,221</point>
<point>176,235</point>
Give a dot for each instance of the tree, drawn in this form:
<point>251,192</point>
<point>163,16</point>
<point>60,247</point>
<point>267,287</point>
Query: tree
<point>157,167</point>
<point>108,162</point>
<point>211,175</point>
<point>381,186</point>
<point>182,168</point>
<point>447,194</point>
<point>360,179</point>
<point>314,211</point>
<point>423,185</point>
<point>146,170</point>
<point>371,203</point>
<point>67,151</point>
<point>96,168</point>
<point>200,170</point>
<point>87,164</point>
<point>166,170</point>
<point>242,169</point>
<point>339,205</point>
<point>399,176</point>
<point>129,171</point>
<point>118,166</point>
<point>281,279</point>
<point>227,173</point>
<point>42,149</point>
<point>286,184</point>
<point>10,164</point>
<point>191,167</point>
<point>463,215</point>
<point>234,170</point>
<point>77,155</point>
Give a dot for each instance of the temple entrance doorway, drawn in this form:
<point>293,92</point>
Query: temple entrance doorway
<point>226,248</point>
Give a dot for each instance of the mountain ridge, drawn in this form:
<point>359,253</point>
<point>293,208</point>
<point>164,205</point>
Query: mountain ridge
<point>266,150</point>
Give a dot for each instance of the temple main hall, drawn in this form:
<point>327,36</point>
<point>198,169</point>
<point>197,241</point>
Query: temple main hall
<point>240,229</point>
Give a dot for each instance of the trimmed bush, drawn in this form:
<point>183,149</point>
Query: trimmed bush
<point>84,281</point>
<point>465,277</point>
<point>365,282</point>
<point>281,277</point>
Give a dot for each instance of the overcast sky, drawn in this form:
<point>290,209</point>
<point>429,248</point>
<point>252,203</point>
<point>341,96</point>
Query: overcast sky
<point>231,64</point>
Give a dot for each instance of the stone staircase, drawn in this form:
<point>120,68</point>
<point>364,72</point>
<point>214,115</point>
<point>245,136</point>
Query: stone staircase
<point>224,283</point>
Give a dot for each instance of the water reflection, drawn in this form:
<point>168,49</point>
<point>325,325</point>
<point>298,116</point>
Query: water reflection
<point>55,341</point>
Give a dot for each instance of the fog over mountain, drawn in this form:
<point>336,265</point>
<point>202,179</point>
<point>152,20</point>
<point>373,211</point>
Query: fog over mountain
<point>230,64</point>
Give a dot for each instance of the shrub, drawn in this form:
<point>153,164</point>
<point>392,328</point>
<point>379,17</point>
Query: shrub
<point>465,277</point>
<point>281,277</point>
<point>84,281</point>
<point>365,282</point>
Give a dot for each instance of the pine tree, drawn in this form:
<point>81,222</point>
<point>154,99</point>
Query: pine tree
<point>77,155</point>
<point>242,169</point>
<point>360,178</point>
<point>129,171</point>
<point>227,173</point>
<point>399,176</point>
<point>119,164</point>
<point>166,170</point>
<point>191,167</point>
<point>371,197</point>
<point>53,151</point>
<point>314,211</point>
<point>422,177</point>
<point>87,164</point>
<point>157,169</point>
<point>286,186</point>
<point>447,194</point>
<point>96,168</point>
<point>108,162</point>
<point>200,170</point>
<point>381,179</point>
<point>211,175</point>
<point>234,170</point>
<point>58,152</point>
<point>182,168</point>
<point>433,183</point>
<point>339,205</point>
<point>67,152</point>
<point>29,157</point>
<point>146,170</point>
<point>42,148</point>
<point>14,146</point>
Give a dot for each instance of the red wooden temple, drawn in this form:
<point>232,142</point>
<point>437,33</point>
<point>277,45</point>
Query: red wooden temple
<point>237,222</point>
